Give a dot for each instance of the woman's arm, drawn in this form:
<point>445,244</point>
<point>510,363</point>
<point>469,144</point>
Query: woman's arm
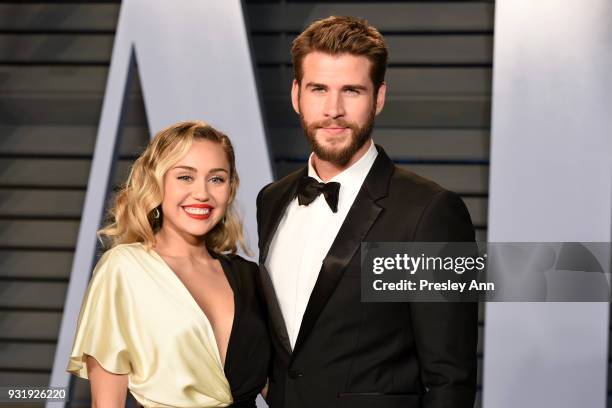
<point>108,390</point>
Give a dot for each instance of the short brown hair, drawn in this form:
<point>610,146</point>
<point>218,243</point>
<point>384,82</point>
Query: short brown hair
<point>339,35</point>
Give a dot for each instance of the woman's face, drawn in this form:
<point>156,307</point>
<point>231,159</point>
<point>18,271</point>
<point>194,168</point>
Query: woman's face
<point>196,190</point>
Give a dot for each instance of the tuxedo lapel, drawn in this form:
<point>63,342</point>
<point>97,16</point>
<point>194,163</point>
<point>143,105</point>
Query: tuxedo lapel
<point>359,220</point>
<point>277,321</point>
<point>283,194</point>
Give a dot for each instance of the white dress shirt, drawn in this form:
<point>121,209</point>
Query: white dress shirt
<point>303,238</point>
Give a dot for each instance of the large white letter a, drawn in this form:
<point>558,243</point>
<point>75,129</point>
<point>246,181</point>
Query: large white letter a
<point>194,63</point>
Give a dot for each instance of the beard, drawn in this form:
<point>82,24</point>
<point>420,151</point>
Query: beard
<point>340,157</point>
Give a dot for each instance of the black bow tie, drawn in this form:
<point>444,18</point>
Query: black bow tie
<point>309,189</point>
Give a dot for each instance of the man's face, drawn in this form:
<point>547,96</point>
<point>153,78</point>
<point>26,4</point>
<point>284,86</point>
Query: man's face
<point>336,104</point>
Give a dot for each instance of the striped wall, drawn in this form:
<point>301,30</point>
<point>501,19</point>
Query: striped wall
<point>54,58</point>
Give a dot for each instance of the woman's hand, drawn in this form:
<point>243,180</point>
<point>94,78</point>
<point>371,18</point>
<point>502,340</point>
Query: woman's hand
<point>108,390</point>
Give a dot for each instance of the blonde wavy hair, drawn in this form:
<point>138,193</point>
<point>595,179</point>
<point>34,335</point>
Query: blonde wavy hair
<point>131,217</point>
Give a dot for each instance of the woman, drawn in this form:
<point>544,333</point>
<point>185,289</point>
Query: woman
<point>171,311</point>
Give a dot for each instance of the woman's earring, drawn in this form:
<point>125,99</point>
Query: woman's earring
<point>156,213</point>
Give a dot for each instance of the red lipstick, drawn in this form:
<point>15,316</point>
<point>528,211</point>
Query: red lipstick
<point>198,211</point>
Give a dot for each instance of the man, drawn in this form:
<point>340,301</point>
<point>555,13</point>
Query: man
<point>332,350</point>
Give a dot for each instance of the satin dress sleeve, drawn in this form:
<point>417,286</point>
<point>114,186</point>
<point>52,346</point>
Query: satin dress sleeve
<point>101,328</point>
<point>138,319</point>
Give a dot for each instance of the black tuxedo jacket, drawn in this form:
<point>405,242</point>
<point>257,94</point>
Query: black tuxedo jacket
<point>372,355</point>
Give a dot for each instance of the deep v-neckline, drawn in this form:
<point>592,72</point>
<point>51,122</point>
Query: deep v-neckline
<point>233,287</point>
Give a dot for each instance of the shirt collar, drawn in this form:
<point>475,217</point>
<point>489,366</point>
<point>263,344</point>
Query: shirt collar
<point>355,174</point>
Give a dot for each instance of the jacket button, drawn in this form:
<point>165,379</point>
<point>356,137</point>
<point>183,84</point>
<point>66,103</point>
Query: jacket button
<point>294,373</point>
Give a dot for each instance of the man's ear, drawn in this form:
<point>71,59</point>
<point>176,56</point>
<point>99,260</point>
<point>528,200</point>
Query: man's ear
<point>380,97</point>
<point>295,96</point>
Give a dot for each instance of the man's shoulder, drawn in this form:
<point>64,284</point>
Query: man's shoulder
<point>395,182</point>
<point>407,188</point>
<point>404,181</point>
<point>276,188</point>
